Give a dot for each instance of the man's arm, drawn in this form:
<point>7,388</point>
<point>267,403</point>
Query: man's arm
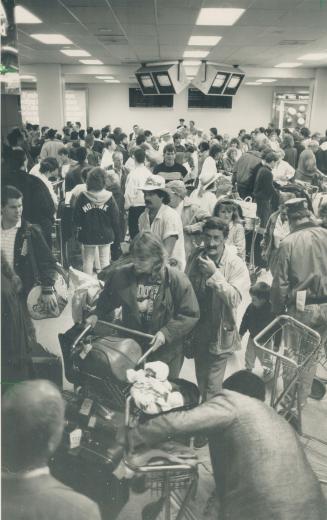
<point>217,413</point>
<point>230,290</point>
<point>280,288</point>
<point>169,244</point>
<point>45,261</point>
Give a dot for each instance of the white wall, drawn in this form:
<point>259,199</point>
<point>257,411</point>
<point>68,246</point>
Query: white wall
<point>108,104</point>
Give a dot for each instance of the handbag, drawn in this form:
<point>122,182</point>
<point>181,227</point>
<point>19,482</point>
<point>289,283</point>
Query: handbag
<point>36,309</point>
<point>249,208</point>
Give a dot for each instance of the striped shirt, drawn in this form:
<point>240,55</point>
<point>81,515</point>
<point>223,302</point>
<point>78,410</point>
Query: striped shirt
<point>8,237</point>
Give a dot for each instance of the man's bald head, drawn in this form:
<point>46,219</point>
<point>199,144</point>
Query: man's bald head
<point>32,424</point>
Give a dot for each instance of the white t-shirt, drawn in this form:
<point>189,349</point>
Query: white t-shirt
<point>167,223</point>
<point>136,180</point>
<point>106,159</point>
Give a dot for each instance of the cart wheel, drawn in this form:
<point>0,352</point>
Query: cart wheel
<point>318,389</point>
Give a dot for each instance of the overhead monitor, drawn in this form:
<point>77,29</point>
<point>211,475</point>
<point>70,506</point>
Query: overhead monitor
<point>215,79</point>
<point>146,83</point>
<point>219,83</point>
<point>233,84</point>
<point>159,79</point>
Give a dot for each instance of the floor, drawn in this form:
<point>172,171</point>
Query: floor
<point>314,421</point>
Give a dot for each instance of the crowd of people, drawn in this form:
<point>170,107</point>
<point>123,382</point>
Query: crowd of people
<point>177,216</point>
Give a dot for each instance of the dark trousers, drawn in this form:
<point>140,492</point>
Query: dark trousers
<point>133,220</point>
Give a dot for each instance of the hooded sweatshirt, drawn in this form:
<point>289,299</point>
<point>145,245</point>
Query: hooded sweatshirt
<point>97,217</point>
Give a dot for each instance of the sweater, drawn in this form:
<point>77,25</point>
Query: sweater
<point>255,319</point>
<point>97,217</point>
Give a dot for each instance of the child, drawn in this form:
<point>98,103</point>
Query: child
<point>257,316</point>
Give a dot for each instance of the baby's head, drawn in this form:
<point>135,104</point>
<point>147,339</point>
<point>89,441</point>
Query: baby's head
<point>260,294</point>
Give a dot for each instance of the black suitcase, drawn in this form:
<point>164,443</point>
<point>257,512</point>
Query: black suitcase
<point>47,365</point>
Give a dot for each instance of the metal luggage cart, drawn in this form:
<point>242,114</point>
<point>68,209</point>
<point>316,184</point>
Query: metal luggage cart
<point>295,363</point>
<point>175,484</point>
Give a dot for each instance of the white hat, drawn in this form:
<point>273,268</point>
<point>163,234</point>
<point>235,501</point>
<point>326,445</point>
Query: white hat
<point>208,177</point>
<point>154,182</point>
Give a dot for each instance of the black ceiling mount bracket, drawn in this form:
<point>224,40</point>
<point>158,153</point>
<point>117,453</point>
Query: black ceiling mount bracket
<point>179,69</point>
<point>205,69</point>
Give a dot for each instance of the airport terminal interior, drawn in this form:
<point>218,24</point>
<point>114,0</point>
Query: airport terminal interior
<point>164,259</point>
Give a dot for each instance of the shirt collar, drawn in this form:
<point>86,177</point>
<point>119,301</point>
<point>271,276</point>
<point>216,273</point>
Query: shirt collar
<point>17,226</point>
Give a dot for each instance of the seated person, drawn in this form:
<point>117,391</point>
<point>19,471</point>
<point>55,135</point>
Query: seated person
<point>33,422</point>
<point>260,468</point>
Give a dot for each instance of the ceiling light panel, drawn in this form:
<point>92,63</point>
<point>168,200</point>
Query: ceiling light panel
<point>23,15</point>
<point>111,81</point>
<point>191,63</point>
<point>218,16</point>
<point>104,77</point>
<point>91,62</point>
<point>52,39</point>
<point>266,80</point>
<point>204,40</point>
<point>254,83</point>
<point>75,52</point>
<point>315,56</point>
<point>195,54</point>
<point>290,65</point>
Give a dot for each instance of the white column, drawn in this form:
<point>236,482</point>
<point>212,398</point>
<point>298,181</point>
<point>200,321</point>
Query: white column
<point>318,120</point>
<point>50,88</point>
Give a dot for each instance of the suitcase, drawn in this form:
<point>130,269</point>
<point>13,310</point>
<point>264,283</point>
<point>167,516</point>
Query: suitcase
<point>47,365</point>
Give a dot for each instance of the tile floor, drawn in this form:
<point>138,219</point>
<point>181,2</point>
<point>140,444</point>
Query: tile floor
<point>314,420</point>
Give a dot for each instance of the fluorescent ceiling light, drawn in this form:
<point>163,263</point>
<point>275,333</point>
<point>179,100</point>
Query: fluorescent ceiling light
<point>289,65</point>
<point>75,52</point>
<point>266,80</point>
<point>254,83</point>
<point>218,16</point>
<point>314,56</point>
<point>9,48</point>
<point>52,39</point>
<point>104,77</point>
<point>195,54</point>
<point>204,40</point>
<point>191,63</point>
<point>91,62</point>
<point>27,78</point>
<point>191,71</point>
<point>111,81</point>
<point>23,15</point>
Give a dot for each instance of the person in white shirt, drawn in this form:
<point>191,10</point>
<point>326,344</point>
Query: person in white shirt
<point>108,150</point>
<point>45,169</point>
<point>204,195</point>
<point>162,220</point>
<point>283,172</point>
<point>134,199</point>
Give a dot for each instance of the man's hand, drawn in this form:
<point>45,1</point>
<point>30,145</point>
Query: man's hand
<point>49,301</point>
<point>207,266</point>
<point>92,320</point>
<point>158,340</point>
<point>17,284</point>
<point>194,228</point>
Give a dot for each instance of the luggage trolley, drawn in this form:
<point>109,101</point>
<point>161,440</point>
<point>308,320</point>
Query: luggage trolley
<point>295,363</point>
<point>174,483</point>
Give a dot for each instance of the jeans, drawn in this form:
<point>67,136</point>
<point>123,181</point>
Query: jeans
<point>89,257</point>
<point>210,371</point>
<point>252,352</point>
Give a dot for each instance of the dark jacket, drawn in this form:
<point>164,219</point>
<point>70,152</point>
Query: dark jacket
<point>38,206</point>
<point>44,497</point>
<point>291,156</point>
<point>259,465</point>
<point>321,158</point>
<point>255,319</point>
<point>118,195</point>
<point>301,266</point>
<point>121,148</point>
<point>175,311</point>
<point>74,176</point>
<point>45,262</point>
<point>243,172</point>
<point>263,188</point>
<point>97,217</point>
